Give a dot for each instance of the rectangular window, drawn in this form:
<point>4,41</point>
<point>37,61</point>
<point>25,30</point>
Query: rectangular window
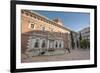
<point>43,28</point>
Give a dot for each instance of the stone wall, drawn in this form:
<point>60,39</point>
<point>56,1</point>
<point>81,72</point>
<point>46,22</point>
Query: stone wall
<point>46,35</point>
<point>52,30</point>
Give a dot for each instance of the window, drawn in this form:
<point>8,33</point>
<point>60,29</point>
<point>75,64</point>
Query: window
<point>37,43</point>
<point>31,42</point>
<point>27,13</point>
<point>43,28</point>
<point>43,44</point>
<point>32,26</point>
<point>31,15</point>
<point>60,45</point>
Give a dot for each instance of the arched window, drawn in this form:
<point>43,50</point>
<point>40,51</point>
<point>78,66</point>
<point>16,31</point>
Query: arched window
<point>60,45</point>
<point>36,43</point>
<point>43,44</point>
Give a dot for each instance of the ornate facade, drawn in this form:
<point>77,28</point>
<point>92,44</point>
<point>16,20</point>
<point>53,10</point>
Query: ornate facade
<point>40,33</point>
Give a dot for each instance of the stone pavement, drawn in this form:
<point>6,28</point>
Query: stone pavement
<point>74,55</point>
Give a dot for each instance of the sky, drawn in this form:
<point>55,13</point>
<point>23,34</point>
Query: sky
<point>72,20</point>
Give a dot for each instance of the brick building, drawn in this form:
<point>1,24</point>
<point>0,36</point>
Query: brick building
<point>41,33</point>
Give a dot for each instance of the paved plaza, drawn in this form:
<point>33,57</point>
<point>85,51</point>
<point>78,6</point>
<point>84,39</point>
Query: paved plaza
<point>78,54</point>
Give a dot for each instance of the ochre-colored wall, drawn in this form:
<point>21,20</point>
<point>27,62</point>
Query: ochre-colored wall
<point>25,30</point>
<point>25,21</point>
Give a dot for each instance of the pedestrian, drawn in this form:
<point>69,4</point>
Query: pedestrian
<point>68,50</point>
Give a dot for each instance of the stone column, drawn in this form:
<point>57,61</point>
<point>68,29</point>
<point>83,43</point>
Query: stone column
<point>54,44</point>
<point>62,44</point>
<point>47,44</point>
<point>58,44</point>
<point>40,43</point>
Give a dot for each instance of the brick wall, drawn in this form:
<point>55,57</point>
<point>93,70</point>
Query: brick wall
<point>26,19</point>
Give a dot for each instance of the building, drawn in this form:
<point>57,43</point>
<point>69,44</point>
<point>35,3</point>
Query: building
<point>84,38</point>
<point>85,33</point>
<point>39,33</point>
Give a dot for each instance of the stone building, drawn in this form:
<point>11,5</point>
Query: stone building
<point>41,33</point>
<point>84,36</point>
<point>85,33</point>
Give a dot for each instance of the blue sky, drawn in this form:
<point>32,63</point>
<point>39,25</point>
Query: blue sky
<point>73,20</point>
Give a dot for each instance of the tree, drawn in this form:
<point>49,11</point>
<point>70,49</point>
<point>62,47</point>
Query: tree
<point>85,44</point>
<point>77,43</point>
<point>80,38</point>
<point>72,40</point>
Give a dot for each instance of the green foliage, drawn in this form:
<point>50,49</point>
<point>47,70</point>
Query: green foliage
<point>72,40</point>
<point>77,43</point>
<point>80,38</point>
<point>84,44</point>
